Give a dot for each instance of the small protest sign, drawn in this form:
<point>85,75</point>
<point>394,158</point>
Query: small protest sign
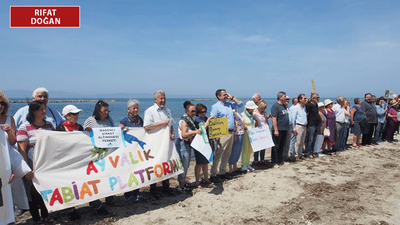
<point>260,138</point>
<point>218,127</point>
<point>107,137</point>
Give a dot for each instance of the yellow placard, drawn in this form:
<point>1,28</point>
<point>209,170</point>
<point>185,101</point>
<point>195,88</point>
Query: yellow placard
<point>314,90</point>
<point>218,127</point>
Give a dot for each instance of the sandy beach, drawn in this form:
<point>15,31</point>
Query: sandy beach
<point>357,186</point>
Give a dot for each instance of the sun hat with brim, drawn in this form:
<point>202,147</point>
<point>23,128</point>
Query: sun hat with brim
<point>327,102</point>
<point>251,105</point>
<point>70,109</point>
<point>320,104</point>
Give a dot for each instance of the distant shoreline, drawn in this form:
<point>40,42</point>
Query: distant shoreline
<point>63,101</point>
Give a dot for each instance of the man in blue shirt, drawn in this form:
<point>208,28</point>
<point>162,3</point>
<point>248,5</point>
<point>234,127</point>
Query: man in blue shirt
<point>52,115</point>
<point>223,108</point>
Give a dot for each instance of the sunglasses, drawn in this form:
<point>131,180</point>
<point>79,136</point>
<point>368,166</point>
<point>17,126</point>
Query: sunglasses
<point>202,112</point>
<point>3,103</point>
<point>193,111</point>
<point>74,114</point>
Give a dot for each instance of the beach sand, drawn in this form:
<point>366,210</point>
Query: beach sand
<point>357,186</point>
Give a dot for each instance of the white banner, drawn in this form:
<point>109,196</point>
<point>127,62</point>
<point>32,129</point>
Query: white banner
<point>70,171</point>
<point>260,138</point>
<point>6,203</point>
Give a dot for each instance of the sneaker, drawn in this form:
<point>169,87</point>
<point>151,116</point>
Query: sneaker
<point>276,166</point>
<point>103,211</point>
<point>130,200</point>
<point>244,169</point>
<point>250,168</point>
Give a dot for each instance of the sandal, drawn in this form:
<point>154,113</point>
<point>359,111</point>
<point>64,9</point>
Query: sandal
<point>208,183</point>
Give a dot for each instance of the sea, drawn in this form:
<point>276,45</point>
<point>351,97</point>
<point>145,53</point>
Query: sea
<point>118,109</point>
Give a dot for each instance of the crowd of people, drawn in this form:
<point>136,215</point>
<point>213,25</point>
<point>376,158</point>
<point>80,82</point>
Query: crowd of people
<point>305,130</point>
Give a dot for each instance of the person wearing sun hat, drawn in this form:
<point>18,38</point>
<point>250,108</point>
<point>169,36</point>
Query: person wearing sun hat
<point>330,123</point>
<point>249,123</point>
<point>71,114</point>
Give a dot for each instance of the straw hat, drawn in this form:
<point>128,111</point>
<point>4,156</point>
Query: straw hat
<point>327,102</point>
<point>250,105</point>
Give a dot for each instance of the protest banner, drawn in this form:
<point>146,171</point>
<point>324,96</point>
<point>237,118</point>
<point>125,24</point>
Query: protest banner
<point>70,171</point>
<point>260,138</point>
<point>201,144</point>
<point>6,203</point>
<point>107,137</point>
<point>218,127</point>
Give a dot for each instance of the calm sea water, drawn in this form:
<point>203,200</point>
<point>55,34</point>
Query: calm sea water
<point>119,111</point>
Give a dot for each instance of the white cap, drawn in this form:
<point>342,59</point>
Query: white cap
<point>251,105</point>
<point>320,104</point>
<point>70,109</point>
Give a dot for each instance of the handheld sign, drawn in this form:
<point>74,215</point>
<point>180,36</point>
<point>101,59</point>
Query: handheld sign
<point>107,137</point>
<point>218,127</point>
<point>260,138</point>
<point>313,86</point>
<point>389,94</point>
<point>201,144</point>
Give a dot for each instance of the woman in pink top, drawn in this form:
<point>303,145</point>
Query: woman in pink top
<point>392,119</point>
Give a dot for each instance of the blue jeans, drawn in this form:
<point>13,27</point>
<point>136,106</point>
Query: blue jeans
<point>184,151</point>
<point>312,135</point>
<point>262,155</point>
<point>236,150</point>
<point>378,132</point>
<point>292,142</point>
<point>343,138</point>
<point>339,134</point>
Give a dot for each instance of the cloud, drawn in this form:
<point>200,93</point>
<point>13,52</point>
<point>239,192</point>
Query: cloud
<point>385,44</point>
<point>256,39</point>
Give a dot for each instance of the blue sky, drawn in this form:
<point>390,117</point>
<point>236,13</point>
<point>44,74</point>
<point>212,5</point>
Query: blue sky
<point>192,48</point>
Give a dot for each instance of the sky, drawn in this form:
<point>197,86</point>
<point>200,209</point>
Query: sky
<point>193,48</point>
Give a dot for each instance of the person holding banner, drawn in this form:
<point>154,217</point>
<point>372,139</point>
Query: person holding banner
<point>19,168</point>
<point>250,123</point>
<point>186,130</point>
<point>132,120</point>
<point>26,137</point>
<point>261,118</point>
<point>201,161</point>
<point>223,108</point>
<point>155,117</point>
<point>100,118</point>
